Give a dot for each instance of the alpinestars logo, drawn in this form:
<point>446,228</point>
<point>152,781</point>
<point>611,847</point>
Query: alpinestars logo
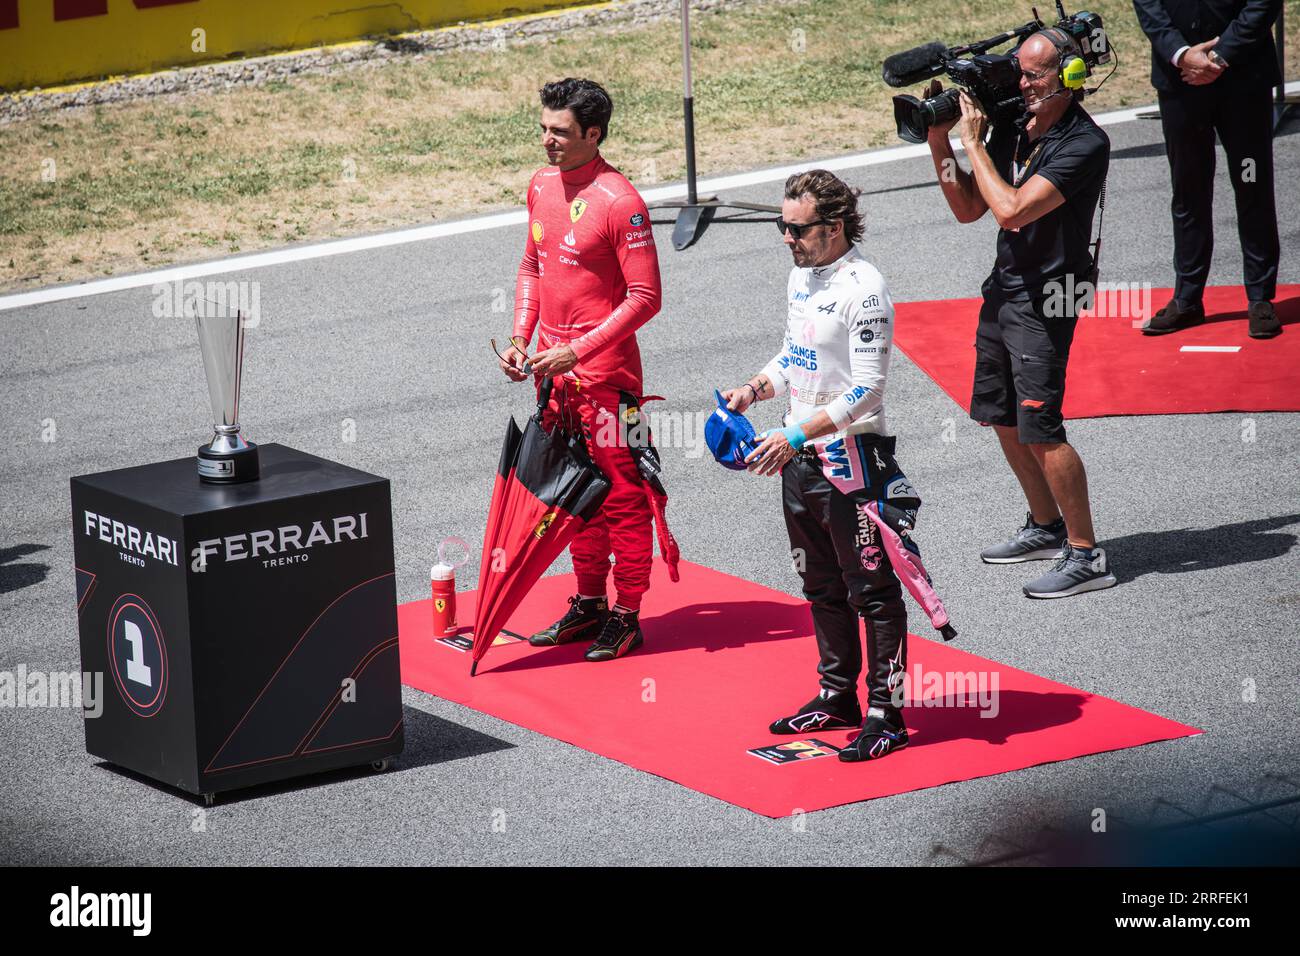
<point>883,745</point>
<point>900,488</point>
<point>811,721</point>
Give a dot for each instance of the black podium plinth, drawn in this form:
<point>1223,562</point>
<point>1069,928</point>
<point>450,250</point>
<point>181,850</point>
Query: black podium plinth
<point>246,633</point>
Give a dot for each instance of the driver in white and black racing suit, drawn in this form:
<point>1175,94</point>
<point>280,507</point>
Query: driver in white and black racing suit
<point>834,456</point>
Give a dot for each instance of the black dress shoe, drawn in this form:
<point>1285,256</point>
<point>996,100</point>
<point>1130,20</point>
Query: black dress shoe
<point>1263,320</point>
<point>1173,317</point>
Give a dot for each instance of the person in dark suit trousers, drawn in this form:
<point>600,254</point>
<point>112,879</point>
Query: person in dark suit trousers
<point>1213,64</point>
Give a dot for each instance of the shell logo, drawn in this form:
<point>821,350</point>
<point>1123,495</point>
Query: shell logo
<point>537,230</point>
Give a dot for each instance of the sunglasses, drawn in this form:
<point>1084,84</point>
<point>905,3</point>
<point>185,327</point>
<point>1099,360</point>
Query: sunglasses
<point>797,229</point>
<point>1035,77</point>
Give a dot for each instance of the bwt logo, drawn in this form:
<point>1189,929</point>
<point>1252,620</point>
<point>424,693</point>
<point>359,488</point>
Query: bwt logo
<point>208,300</point>
<point>73,909</point>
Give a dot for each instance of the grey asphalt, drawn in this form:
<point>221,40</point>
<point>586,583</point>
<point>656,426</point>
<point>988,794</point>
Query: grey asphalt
<point>1200,526</point>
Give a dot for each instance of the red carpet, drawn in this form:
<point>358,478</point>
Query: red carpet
<point>722,658</point>
<point>1116,370</point>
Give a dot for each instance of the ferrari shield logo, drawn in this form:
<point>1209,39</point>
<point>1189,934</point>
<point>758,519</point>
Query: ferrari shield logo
<point>544,524</point>
<point>439,605</point>
<point>577,209</point>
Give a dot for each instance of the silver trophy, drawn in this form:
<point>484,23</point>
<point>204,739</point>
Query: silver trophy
<point>227,459</point>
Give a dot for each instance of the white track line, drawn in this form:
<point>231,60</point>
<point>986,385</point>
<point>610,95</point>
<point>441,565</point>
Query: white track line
<point>337,247</point>
<point>1210,348</point>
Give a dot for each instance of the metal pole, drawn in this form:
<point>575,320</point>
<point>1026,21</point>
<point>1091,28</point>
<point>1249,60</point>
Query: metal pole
<point>688,103</point>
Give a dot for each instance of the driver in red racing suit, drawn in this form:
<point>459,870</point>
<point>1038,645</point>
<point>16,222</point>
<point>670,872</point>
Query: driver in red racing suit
<point>588,280</point>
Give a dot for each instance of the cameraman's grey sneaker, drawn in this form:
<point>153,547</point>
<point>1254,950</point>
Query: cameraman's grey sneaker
<point>1033,542</point>
<point>1076,571</point>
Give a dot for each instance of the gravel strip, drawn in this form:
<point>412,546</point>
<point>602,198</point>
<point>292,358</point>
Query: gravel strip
<point>255,71</point>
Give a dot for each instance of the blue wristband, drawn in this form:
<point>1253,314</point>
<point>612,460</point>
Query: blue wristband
<point>794,435</point>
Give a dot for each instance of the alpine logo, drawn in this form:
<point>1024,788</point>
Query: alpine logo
<point>829,308</point>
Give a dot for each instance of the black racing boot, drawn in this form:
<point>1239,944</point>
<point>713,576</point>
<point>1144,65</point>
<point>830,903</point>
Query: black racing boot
<point>879,737</point>
<point>621,635</point>
<point>822,713</point>
<point>584,618</point>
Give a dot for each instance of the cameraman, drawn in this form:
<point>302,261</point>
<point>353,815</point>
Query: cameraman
<point>1041,177</point>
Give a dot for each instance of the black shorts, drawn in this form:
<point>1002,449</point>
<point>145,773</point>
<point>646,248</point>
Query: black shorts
<point>1020,358</point>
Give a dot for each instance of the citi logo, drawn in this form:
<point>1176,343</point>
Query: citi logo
<point>74,909</point>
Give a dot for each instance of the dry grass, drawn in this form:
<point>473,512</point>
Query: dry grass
<point>144,184</point>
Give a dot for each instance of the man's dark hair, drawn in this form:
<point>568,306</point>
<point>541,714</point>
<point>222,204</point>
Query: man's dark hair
<point>831,195</point>
<point>590,104</point>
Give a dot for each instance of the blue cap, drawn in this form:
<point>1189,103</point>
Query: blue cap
<point>729,435</point>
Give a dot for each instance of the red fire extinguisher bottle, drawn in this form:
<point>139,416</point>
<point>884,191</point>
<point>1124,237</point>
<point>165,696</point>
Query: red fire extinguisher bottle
<point>442,582</point>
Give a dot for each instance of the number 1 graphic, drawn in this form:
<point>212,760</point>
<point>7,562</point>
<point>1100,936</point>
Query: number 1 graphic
<point>136,669</point>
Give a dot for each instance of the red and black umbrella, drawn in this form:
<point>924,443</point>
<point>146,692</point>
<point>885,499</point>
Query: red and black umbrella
<point>546,490</point>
